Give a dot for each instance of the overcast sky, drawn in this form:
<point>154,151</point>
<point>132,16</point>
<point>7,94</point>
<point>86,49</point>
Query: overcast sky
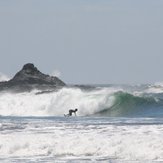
<point>84,41</point>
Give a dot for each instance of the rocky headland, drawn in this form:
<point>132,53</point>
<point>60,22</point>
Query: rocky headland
<point>29,78</point>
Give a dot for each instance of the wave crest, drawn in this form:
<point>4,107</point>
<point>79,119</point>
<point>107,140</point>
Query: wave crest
<point>97,102</point>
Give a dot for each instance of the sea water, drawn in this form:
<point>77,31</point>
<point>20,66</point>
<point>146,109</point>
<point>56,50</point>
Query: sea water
<point>113,124</point>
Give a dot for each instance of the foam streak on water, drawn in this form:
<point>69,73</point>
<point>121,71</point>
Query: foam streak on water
<point>81,139</point>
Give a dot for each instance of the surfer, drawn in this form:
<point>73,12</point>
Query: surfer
<point>72,111</point>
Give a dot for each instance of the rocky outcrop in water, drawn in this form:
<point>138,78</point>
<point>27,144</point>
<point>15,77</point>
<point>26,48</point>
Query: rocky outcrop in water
<point>30,78</point>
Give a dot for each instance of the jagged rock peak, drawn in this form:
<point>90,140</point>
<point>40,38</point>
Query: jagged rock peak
<point>29,67</point>
<point>28,71</point>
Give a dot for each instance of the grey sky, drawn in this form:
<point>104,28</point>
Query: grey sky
<point>88,41</point>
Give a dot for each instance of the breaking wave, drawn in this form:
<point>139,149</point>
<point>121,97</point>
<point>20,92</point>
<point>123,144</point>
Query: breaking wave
<point>97,102</point>
<point>126,104</point>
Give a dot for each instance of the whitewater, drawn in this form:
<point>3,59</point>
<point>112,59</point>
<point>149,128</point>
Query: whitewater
<point>114,123</point>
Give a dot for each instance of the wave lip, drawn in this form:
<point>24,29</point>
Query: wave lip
<point>126,104</point>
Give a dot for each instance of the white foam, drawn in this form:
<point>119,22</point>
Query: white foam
<point>155,88</point>
<point>159,84</point>
<point>133,142</point>
<point>56,103</point>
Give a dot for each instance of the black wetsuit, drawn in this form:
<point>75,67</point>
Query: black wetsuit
<point>72,111</point>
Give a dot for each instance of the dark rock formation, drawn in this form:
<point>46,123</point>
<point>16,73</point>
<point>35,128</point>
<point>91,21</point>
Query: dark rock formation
<point>31,78</point>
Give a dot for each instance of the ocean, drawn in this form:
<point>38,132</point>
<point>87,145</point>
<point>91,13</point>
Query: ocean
<point>114,123</point>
